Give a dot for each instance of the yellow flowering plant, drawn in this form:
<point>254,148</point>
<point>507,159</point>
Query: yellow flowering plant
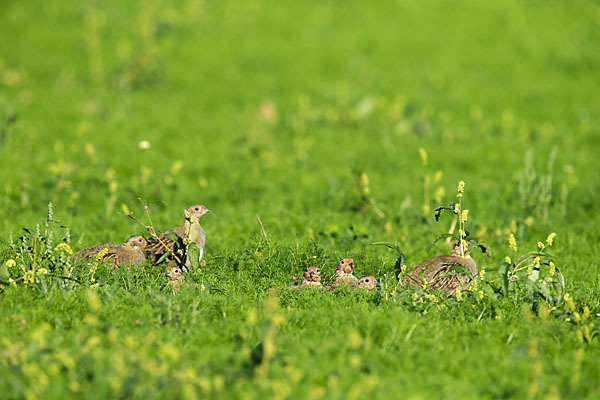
<point>39,257</point>
<point>532,275</point>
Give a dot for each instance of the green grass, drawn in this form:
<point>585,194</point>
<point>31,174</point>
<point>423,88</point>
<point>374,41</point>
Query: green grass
<point>358,88</point>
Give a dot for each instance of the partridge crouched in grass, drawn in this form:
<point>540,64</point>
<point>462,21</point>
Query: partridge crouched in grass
<point>343,273</point>
<point>189,231</point>
<point>438,272</point>
<point>175,276</point>
<point>367,282</point>
<point>312,278</point>
<point>130,252</point>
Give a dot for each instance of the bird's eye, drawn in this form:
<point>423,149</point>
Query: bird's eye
<point>197,209</point>
<point>341,261</point>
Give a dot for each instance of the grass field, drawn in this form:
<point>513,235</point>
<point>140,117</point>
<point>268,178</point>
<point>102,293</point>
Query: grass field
<point>340,124</point>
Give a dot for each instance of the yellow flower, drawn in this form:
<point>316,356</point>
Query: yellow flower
<point>456,208</point>
<point>458,295</point>
<point>12,282</point>
<point>202,263</point>
<point>423,155</point>
<point>480,293</point>
<point>552,268</point>
<point>541,245</point>
<point>101,254</point>
<point>29,276</point>
<point>507,260</point>
<point>10,263</point>
<point>461,189</point>
<point>536,260</point>
<point>42,271</point>
<point>463,216</point>
<point>482,274</point>
<point>403,268</point>
<point>529,221</point>
<point>512,242</point>
<point>65,247</point>
<point>550,238</point>
<point>462,233</point>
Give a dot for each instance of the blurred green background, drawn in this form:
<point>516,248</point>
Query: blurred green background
<point>339,123</point>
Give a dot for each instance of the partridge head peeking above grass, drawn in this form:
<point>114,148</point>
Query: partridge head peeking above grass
<point>438,272</point>
<point>188,233</point>
<point>175,277</point>
<point>343,273</point>
<point>367,282</point>
<point>312,278</point>
<point>130,252</point>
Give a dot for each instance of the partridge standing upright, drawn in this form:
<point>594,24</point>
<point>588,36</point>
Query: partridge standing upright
<point>343,273</point>
<point>189,231</point>
<point>438,272</point>
<point>130,252</point>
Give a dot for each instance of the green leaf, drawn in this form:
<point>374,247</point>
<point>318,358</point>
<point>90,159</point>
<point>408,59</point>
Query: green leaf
<point>438,211</point>
<point>164,257</point>
<point>4,274</point>
<point>193,253</point>
<point>443,236</point>
<point>462,270</point>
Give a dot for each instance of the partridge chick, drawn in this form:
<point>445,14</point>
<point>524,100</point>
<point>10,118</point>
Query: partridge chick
<point>130,252</point>
<point>438,272</point>
<point>343,273</point>
<point>312,278</point>
<point>189,230</point>
<point>175,276</point>
<point>367,282</point>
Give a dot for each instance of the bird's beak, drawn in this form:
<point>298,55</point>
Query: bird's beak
<point>377,283</point>
<point>206,211</point>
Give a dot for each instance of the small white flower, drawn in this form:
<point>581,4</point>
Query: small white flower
<point>144,145</point>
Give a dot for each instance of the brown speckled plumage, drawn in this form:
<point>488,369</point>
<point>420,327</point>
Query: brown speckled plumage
<point>439,274</point>
<point>189,229</point>
<point>130,252</point>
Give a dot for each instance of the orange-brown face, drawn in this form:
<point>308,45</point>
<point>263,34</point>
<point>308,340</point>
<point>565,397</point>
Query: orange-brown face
<point>196,211</point>
<point>312,274</point>
<point>368,282</point>
<point>174,273</point>
<point>136,241</point>
<point>346,264</point>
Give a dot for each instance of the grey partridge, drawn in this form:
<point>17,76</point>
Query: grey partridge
<point>189,231</point>
<point>438,272</point>
<point>175,276</point>
<point>367,282</point>
<point>312,278</point>
<point>343,273</point>
<point>130,252</point>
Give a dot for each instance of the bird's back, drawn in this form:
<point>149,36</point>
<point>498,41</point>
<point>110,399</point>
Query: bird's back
<point>439,274</point>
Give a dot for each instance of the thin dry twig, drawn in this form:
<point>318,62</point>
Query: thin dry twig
<point>262,227</point>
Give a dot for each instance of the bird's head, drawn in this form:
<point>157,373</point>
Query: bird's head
<point>368,282</point>
<point>196,212</point>
<point>174,273</point>
<point>346,265</point>
<point>312,274</point>
<point>456,248</point>
<point>136,241</point>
